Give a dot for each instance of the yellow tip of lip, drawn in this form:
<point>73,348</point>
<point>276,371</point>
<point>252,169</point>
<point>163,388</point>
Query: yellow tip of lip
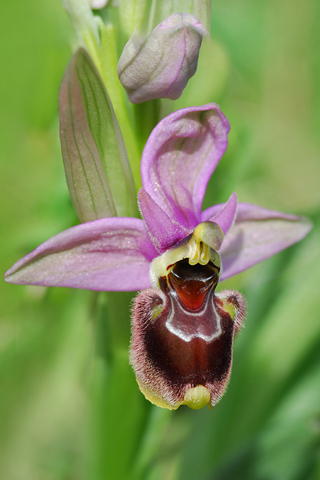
<point>197,397</point>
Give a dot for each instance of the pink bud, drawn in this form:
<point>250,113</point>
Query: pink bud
<point>160,65</point>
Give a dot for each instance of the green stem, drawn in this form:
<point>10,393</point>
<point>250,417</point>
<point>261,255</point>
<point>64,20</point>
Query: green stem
<point>147,115</point>
<point>109,61</point>
<point>156,427</point>
<point>118,408</point>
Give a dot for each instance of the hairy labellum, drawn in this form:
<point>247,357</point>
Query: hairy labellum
<point>182,335</point>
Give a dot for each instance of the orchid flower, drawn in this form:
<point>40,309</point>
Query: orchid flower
<point>182,330</point>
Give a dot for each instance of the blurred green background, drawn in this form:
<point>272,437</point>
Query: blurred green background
<point>69,405</point>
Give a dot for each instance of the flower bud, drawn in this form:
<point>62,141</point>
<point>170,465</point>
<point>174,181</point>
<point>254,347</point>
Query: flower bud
<point>160,65</point>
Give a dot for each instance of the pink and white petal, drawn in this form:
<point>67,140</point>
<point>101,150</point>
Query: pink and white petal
<point>164,232</point>
<point>223,214</point>
<point>258,234</point>
<point>110,254</point>
<point>179,158</point>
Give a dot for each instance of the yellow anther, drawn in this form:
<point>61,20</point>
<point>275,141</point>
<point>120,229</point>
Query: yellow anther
<point>204,255</point>
<point>199,251</point>
<point>195,252</point>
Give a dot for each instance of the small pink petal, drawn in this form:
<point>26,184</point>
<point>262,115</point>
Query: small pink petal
<point>164,232</point>
<point>223,215</point>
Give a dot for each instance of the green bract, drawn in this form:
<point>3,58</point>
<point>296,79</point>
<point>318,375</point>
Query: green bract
<point>94,153</point>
